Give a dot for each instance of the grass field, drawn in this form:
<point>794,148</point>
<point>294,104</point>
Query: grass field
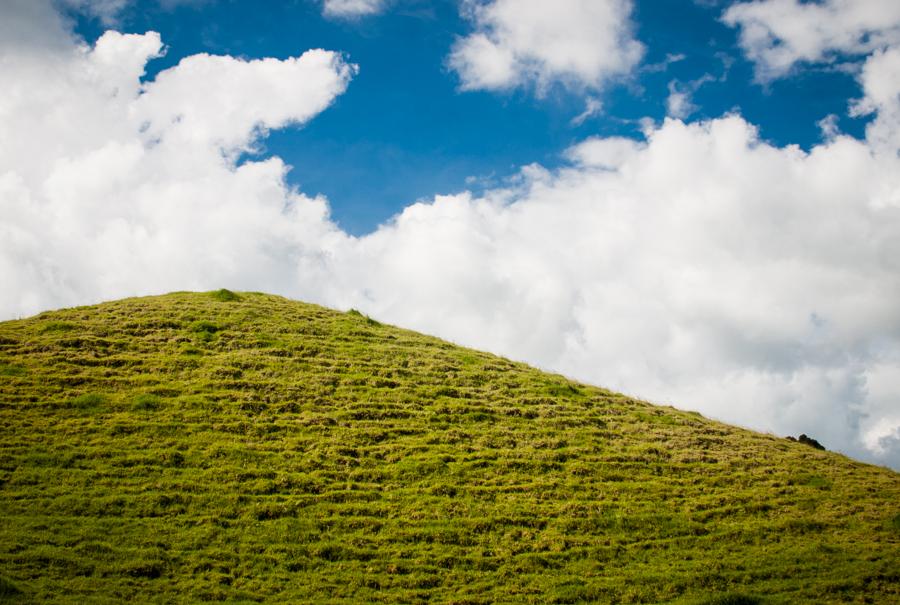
<point>245,447</point>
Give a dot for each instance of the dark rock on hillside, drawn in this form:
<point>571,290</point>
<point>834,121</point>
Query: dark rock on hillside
<point>807,440</point>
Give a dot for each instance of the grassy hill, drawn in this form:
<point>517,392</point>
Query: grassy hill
<point>245,447</point>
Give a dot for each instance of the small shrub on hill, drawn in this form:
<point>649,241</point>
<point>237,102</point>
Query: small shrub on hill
<point>224,295</point>
<point>807,440</point>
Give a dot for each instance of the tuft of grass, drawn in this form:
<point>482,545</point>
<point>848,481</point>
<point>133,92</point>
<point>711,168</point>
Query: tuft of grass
<point>146,402</point>
<point>87,401</point>
<point>224,295</point>
<point>205,330</point>
<point>895,522</point>
<point>810,480</point>
<point>10,369</point>
<point>207,327</point>
<point>366,318</point>
<point>57,326</point>
<point>566,389</point>
<point>819,482</point>
<point>8,591</point>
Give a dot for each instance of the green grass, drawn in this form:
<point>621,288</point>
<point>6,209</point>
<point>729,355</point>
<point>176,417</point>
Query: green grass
<point>224,295</point>
<point>146,402</point>
<point>9,592</point>
<point>246,448</point>
<point>87,401</point>
<point>733,599</point>
<point>11,369</point>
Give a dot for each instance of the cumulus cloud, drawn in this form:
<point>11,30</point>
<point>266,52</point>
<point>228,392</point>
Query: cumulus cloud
<point>777,34</point>
<point>699,266</point>
<point>580,43</point>
<point>107,182</point>
<point>351,8</point>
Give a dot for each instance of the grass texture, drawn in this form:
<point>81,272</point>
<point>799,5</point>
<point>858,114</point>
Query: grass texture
<point>241,447</point>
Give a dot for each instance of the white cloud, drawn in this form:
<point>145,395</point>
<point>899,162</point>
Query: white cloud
<point>777,34</point>
<point>880,79</point>
<point>592,107</point>
<point>581,43</point>
<point>236,98</point>
<point>351,8</point>
<point>105,10</point>
<point>109,11</point>
<point>701,266</point>
<point>110,185</point>
<point>678,103</point>
<point>829,126</point>
<point>661,66</point>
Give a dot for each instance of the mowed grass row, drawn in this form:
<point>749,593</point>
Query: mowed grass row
<point>245,448</point>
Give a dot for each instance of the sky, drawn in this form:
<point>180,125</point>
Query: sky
<point>692,201</point>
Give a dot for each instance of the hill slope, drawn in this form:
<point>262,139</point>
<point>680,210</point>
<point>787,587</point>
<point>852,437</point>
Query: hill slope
<point>195,447</point>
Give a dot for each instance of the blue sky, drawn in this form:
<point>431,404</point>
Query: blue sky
<point>404,131</point>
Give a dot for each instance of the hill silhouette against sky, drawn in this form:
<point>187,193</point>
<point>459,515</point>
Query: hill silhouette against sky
<point>244,447</point>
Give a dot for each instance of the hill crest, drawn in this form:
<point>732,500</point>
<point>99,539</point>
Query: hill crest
<point>244,447</point>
